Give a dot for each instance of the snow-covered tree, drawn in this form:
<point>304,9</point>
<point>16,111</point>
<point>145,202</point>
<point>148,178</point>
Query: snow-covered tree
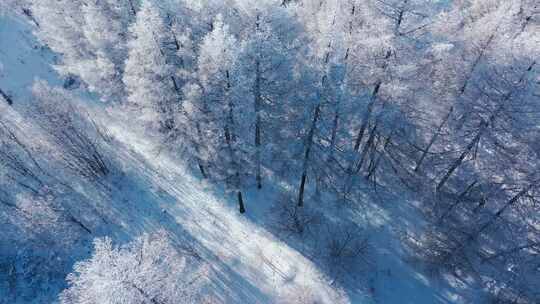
<point>218,54</point>
<point>63,33</point>
<point>149,269</point>
<point>90,38</point>
<point>264,72</point>
<point>149,77</point>
<point>106,31</point>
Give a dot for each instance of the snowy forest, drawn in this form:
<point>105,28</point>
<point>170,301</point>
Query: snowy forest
<point>269,151</point>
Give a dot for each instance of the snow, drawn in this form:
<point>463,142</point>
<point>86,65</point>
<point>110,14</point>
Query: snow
<point>22,59</point>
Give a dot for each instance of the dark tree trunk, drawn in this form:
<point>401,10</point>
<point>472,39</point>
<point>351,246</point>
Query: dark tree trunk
<point>6,97</point>
<point>257,91</point>
<point>229,139</point>
<point>491,221</point>
<point>433,140</point>
<point>301,190</point>
<point>457,163</point>
<point>197,150</point>
<point>307,154</point>
<point>457,202</point>
<point>368,145</point>
<point>460,93</point>
<point>367,115</point>
<point>483,128</point>
<point>335,126</point>
<point>257,106</point>
<point>373,168</point>
<point>372,101</point>
<point>497,215</point>
<point>241,206</point>
<point>201,168</point>
<point>132,7</point>
<point>28,13</point>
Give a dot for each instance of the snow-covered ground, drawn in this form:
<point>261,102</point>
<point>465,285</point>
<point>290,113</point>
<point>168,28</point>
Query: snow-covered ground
<point>22,59</point>
<point>249,263</point>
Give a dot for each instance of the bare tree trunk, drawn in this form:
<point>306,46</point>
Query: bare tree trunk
<point>28,13</point>
<point>177,45</point>
<point>258,103</point>
<point>460,93</point>
<point>230,138</point>
<point>241,203</point>
<point>510,203</point>
<point>257,93</point>
<point>488,224</point>
<point>234,165</point>
<point>335,126</point>
<point>433,139</point>
<point>457,202</point>
<point>197,150</point>
<point>483,127</point>
<point>399,20</point>
<point>79,223</point>
<point>373,153</point>
<point>367,116</point>
<point>201,168</point>
<point>463,88</point>
<point>457,163</point>
<point>373,168</point>
<point>309,144</point>
<point>201,138</point>
<point>6,97</point>
<point>132,7</point>
<point>366,147</point>
<point>353,171</point>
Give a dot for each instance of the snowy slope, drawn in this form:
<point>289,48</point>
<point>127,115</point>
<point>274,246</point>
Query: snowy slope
<point>22,59</point>
<point>249,264</point>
